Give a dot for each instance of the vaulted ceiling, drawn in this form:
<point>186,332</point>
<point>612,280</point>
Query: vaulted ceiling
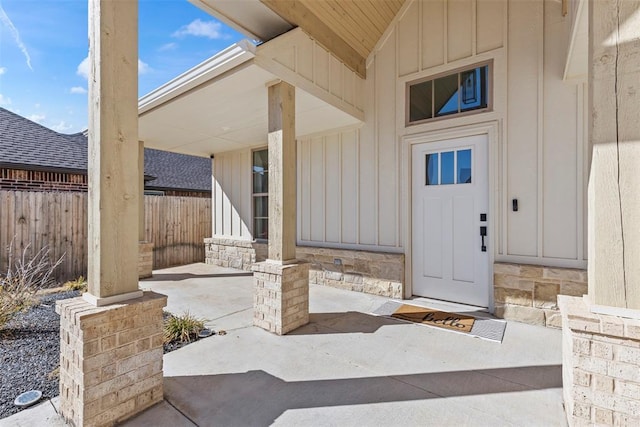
<point>349,29</point>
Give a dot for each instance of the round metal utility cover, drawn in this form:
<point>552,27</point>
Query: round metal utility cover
<point>28,398</point>
<point>205,333</point>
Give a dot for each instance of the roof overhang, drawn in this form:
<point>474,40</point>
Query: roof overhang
<point>250,17</point>
<point>221,105</point>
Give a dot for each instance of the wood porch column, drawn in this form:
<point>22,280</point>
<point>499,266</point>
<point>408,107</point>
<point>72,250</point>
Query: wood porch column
<point>114,192</point>
<point>282,173</point>
<point>614,183</point>
<point>111,338</point>
<point>281,295</point>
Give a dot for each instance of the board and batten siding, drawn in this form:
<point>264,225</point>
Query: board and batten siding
<point>353,186</point>
<point>300,60</point>
<point>231,195</point>
<point>542,144</point>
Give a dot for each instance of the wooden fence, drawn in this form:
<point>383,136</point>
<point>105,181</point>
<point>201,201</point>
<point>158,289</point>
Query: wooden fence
<point>176,226</point>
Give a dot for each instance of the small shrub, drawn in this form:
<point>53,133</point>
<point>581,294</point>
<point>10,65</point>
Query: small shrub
<point>80,284</point>
<point>182,328</point>
<point>25,275</point>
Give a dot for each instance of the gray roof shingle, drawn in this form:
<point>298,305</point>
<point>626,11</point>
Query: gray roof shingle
<point>27,144</point>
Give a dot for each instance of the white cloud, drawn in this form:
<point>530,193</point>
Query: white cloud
<point>168,46</point>
<point>83,68</point>
<point>4,100</point>
<point>78,90</point>
<point>62,126</point>
<point>143,67</point>
<point>3,70</point>
<point>199,28</point>
<point>38,118</point>
<point>4,18</point>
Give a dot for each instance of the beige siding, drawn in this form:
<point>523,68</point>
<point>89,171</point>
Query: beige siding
<point>300,60</point>
<point>560,173</point>
<point>524,83</point>
<point>339,187</point>
<point>539,153</point>
<point>352,185</point>
<point>460,25</point>
<point>231,193</point>
<point>437,32</point>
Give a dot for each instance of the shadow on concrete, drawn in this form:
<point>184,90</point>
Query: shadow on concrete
<point>176,277</point>
<point>256,398</point>
<point>344,323</point>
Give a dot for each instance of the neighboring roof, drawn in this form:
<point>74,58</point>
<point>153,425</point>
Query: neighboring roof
<point>173,170</point>
<point>26,144</point>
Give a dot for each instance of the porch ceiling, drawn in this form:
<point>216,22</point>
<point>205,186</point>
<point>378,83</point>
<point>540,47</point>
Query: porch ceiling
<point>222,106</point>
<point>349,29</point>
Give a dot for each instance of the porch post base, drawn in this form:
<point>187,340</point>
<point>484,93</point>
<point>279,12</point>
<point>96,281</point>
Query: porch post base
<point>600,365</point>
<point>110,359</point>
<point>281,296</point>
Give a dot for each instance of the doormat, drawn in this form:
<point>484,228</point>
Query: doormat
<point>488,329</point>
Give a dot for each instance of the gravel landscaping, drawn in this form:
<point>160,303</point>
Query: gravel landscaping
<point>30,352</point>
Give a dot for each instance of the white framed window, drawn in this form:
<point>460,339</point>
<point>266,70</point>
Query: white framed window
<point>260,193</point>
<point>449,167</point>
<point>460,92</point>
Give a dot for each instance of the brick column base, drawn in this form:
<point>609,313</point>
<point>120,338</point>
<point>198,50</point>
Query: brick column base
<point>600,366</point>
<point>110,359</point>
<point>145,260</point>
<point>281,296</point>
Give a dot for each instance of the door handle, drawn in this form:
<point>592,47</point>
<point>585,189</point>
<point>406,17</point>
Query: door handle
<point>483,233</point>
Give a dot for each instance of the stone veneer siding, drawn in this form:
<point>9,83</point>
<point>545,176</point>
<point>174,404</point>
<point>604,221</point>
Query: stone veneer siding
<point>281,296</point>
<point>145,260</point>
<point>110,359</point>
<point>600,366</point>
<point>234,253</point>
<point>529,293</point>
<point>370,272</point>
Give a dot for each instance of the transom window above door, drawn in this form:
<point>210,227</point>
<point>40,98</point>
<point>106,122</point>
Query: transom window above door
<point>449,167</point>
<point>460,92</point>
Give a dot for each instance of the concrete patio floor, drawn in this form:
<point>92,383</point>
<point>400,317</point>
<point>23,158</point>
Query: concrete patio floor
<point>345,368</point>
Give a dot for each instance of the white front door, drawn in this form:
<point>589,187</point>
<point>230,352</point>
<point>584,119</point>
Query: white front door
<point>450,200</point>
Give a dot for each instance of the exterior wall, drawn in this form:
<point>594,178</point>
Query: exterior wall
<point>233,253</point>
<point>354,184</point>
<point>301,61</point>
<point>601,379</point>
<point>529,293</point>
<point>539,155</point>
<point>370,272</point>
<point>231,195</point>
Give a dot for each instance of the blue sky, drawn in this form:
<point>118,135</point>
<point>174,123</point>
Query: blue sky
<point>43,44</point>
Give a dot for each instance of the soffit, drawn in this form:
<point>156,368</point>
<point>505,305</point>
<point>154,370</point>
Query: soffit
<point>226,113</point>
<point>349,29</point>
